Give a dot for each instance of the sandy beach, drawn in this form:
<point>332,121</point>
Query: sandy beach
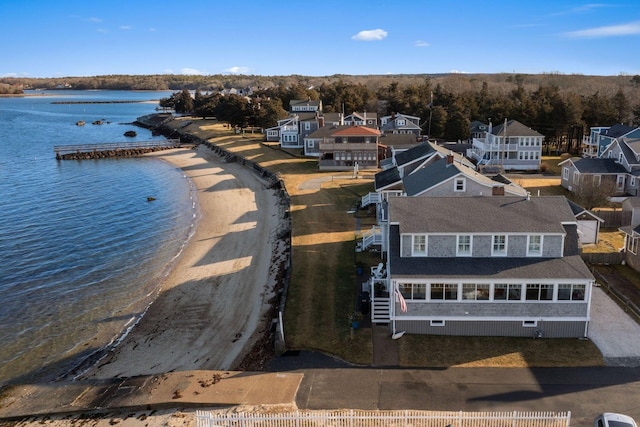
<point>215,304</point>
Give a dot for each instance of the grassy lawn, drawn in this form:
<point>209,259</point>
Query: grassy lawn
<point>324,286</point>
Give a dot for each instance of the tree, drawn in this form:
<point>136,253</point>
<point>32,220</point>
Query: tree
<point>235,110</point>
<point>183,102</point>
<point>267,112</point>
<point>621,105</point>
<point>593,191</point>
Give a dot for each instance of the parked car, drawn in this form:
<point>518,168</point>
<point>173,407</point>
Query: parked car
<point>609,419</point>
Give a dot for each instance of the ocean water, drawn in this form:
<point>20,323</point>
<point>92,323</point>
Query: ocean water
<point>82,250</point>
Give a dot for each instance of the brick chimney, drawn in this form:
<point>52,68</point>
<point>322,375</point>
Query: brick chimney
<point>320,121</point>
<point>449,159</point>
<point>497,190</point>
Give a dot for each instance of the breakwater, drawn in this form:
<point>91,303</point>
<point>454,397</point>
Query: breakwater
<point>105,151</point>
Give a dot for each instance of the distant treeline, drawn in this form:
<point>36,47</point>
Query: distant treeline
<point>561,107</point>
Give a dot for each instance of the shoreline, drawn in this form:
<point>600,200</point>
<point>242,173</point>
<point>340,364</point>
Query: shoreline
<point>201,317</point>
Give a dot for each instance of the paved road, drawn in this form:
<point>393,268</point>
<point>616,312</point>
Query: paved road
<point>585,392</point>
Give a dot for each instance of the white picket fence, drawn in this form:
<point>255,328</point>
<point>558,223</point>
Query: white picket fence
<point>358,418</point>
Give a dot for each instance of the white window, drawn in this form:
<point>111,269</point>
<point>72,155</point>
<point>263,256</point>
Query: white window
<point>569,292</point>
<point>499,245</point>
<point>632,181</point>
<point>419,245</point>
<point>534,248</point>
<point>565,173</point>
<point>576,177</point>
<point>620,157</point>
<point>539,292</point>
<point>460,184</point>
<point>475,291</point>
<point>307,126</point>
<point>620,182</point>
<point>507,292</point>
<point>464,245</point>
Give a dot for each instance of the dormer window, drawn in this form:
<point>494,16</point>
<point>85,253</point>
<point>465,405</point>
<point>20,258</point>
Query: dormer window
<point>460,185</point>
<point>419,245</point>
<point>400,122</point>
<point>499,245</point>
<point>534,247</point>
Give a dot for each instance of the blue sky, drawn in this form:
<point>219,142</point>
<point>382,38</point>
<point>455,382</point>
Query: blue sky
<point>60,38</point>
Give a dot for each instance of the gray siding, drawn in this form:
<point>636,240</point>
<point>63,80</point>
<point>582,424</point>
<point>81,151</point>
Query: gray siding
<point>552,246</point>
<point>482,246</point>
<point>441,245</point>
<point>550,329</point>
<point>517,309</point>
<point>405,249</point>
<point>517,246</point>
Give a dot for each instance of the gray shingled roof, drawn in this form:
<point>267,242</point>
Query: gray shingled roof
<point>386,178</point>
<point>439,171</point>
<point>598,166</point>
<point>617,130</point>
<point>514,128</point>
<point>420,151</point>
<point>428,176</point>
<point>496,214</point>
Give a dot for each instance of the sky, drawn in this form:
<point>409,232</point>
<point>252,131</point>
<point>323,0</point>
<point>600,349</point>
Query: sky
<point>61,38</point>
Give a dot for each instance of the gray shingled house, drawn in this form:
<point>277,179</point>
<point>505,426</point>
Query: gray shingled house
<point>486,266</point>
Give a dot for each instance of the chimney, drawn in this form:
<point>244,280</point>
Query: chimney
<point>449,159</point>
<point>497,190</point>
<point>320,121</point>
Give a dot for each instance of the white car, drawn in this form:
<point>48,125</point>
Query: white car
<point>609,419</point>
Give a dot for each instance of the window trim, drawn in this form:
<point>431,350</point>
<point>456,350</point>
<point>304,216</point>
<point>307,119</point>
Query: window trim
<point>499,252</point>
<point>459,182</point>
<point>464,253</point>
<point>537,253</point>
<point>414,252</point>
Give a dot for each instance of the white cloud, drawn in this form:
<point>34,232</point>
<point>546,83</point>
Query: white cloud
<point>237,70</point>
<point>420,43</point>
<point>370,35</point>
<point>102,30</point>
<point>93,20</point>
<point>151,29</point>
<point>125,27</point>
<point>191,72</point>
<point>608,31</point>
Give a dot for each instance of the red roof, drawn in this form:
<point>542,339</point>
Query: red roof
<point>357,131</point>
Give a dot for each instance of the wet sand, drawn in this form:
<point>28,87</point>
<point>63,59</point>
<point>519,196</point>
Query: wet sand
<point>214,305</point>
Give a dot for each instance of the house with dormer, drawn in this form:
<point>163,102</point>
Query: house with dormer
<point>617,169</point>
<point>305,117</point>
<point>601,137</point>
<point>428,170</point>
<point>510,146</point>
<point>400,123</point>
<point>485,266</point>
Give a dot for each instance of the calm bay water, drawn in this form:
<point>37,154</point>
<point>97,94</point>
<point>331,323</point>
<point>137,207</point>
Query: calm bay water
<point>82,251</point>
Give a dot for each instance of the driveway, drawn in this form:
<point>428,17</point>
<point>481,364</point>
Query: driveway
<point>615,333</point>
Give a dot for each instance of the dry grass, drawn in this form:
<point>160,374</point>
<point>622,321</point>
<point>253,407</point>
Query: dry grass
<point>324,285</point>
<point>445,352</point>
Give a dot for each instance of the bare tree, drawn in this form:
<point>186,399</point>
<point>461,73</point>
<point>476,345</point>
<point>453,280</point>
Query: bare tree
<point>593,191</point>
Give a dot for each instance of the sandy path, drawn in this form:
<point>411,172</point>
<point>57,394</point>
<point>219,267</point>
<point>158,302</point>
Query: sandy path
<point>216,297</point>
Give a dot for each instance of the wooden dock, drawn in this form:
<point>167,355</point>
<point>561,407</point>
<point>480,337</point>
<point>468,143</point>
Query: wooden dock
<point>114,149</point>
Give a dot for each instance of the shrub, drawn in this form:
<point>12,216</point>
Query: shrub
<point>544,167</point>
